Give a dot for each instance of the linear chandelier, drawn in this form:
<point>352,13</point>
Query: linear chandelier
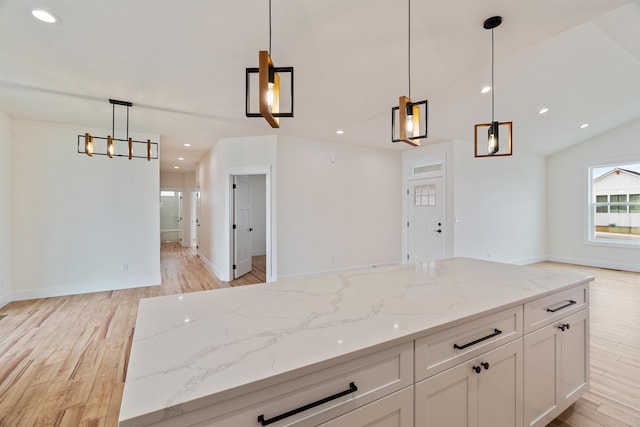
<point>132,148</point>
<point>410,118</point>
<point>492,143</point>
<point>271,104</point>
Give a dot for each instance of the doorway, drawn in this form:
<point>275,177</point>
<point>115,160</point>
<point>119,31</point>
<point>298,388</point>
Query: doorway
<point>426,228</point>
<point>250,226</point>
<point>170,216</point>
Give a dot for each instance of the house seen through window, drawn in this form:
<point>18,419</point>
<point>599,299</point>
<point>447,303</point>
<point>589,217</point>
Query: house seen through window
<point>615,203</point>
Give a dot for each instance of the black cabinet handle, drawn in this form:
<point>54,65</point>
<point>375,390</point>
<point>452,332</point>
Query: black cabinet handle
<point>352,388</point>
<point>564,327</point>
<point>570,303</point>
<point>495,333</point>
<point>477,369</point>
<point>485,365</point>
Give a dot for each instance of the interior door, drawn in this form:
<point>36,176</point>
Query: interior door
<point>241,225</point>
<point>426,214</point>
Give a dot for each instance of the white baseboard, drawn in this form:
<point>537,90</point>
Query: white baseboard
<point>596,263</point>
<point>85,289</point>
<point>212,268</point>
<point>527,261</point>
<point>4,300</point>
<point>258,252</point>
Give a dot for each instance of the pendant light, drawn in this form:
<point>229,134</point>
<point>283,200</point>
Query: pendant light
<point>269,87</point>
<point>410,118</point>
<point>109,149</point>
<point>492,143</point>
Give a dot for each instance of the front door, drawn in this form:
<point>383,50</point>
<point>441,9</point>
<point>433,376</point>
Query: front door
<point>426,214</point>
<point>242,225</point>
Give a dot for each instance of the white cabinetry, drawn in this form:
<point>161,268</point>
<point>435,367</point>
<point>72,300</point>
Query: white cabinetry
<point>556,367</point>
<point>483,392</point>
<point>395,410</point>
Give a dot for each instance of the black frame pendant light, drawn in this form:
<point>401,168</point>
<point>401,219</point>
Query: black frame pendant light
<point>87,145</point>
<point>492,141</point>
<point>269,87</point>
<point>409,119</point>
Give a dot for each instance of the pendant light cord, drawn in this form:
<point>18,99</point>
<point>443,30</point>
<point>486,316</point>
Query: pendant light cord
<point>269,27</point>
<point>409,53</point>
<point>493,89</point>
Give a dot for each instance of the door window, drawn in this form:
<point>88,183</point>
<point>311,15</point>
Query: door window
<point>425,195</point>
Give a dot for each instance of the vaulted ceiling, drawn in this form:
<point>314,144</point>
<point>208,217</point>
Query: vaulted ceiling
<point>182,64</point>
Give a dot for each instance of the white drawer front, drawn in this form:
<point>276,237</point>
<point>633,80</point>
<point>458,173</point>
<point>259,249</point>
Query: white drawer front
<point>395,410</point>
<point>375,376</point>
<point>544,311</point>
<point>447,348</point>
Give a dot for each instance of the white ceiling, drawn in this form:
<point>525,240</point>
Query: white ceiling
<point>182,64</point>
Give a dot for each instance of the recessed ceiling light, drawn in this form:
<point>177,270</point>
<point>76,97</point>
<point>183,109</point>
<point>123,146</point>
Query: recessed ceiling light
<point>485,89</point>
<point>585,125</point>
<point>187,145</point>
<point>44,16</point>
<point>543,110</point>
<point>339,131</point>
<point>176,167</point>
<point>180,158</point>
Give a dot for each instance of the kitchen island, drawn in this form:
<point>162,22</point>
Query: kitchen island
<point>343,349</point>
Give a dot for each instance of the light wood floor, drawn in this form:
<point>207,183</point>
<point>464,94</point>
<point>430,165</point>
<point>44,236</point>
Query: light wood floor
<point>63,360</point>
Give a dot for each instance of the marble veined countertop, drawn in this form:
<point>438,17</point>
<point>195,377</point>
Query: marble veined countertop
<point>197,349</point>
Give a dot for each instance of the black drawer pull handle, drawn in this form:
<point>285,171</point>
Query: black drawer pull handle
<point>352,388</point>
<point>495,333</point>
<point>570,303</point>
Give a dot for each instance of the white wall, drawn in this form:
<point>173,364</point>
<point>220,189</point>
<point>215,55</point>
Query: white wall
<point>236,156</point>
<point>5,210</point>
<point>339,206</point>
<point>567,199</point>
<point>500,202</point>
<point>80,224</point>
<point>258,214</point>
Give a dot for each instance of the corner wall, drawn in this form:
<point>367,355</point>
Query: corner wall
<point>80,224</point>
<point>5,210</point>
<point>234,156</point>
<point>500,206</point>
<point>567,199</point>
<point>339,206</point>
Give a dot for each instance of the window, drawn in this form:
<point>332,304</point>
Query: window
<point>600,207</point>
<point>618,203</point>
<point>614,204</point>
<point>425,195</point>
<point>634,203</point>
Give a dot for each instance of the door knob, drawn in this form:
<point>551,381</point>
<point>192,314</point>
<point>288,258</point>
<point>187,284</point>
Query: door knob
<point>438,231</point>
<point>250,229</point>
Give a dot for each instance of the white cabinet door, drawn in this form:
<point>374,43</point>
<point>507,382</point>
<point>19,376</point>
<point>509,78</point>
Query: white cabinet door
<point>448,399</point>
<point>500,399</point>
<point>483,392</point>
<point>575,357</point>
<point>556,368</point>
<point>541,369</point>
<point>395,410</point>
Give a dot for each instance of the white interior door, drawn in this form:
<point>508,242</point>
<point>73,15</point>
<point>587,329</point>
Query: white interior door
<point>242,225</point>
<point>426,220</point>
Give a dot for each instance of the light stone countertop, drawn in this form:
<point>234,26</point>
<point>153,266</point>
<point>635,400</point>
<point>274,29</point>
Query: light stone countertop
<point>197,349</point>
